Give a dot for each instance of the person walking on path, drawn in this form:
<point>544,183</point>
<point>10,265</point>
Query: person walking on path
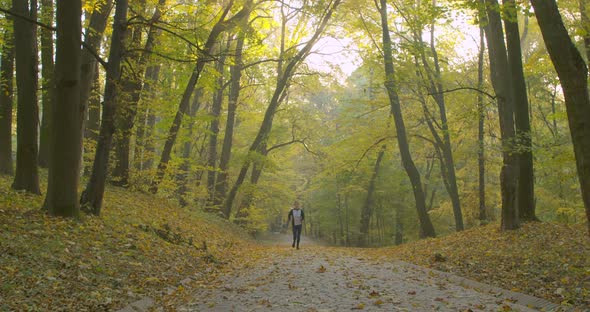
<point>296,217</point>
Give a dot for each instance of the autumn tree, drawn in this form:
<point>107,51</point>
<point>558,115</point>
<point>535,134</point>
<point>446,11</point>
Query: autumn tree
<point>67,114</point>
<point>525,191</point>
<point>6,99</point>
<point>91,199</point>
<point>502,81</point>
<point>25,45</point>
<point>47,68</point>
<point>426,226</point>
<point>285,75</point>
<point>222,25</point>
<point>573,75</point>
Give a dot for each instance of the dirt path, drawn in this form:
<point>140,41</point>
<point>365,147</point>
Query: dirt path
<point>317,278</point>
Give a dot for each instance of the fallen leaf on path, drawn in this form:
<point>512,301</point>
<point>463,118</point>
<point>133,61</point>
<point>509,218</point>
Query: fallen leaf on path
<point>359,306</point>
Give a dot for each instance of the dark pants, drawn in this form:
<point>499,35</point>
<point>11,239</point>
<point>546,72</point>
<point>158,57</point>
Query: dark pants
<point>297,234</point>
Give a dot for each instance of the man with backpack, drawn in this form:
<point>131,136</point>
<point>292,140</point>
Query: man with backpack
<point>296,217</point>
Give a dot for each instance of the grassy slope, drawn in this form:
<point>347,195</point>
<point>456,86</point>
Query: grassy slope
<point>139,246</point>
<point>546,260</point>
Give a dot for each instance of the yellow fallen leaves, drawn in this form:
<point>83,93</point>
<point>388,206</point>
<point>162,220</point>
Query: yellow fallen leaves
<point>546,260</point>
<point>103,263</point>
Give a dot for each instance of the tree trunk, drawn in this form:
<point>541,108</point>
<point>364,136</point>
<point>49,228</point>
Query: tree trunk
<point>232,106</point>
<point>525,192</point>
<point>448,163</point>
<point>182,176</point>
<point>25,45</point>
<point>367,209</point>
<point>6,100</point>
<point>585,20</point>
<point>131,90</point>
<point>90,99</point>
<point>426,227</point>
<point>399,227</point>
<point>66,137</point>
<point>280,91</point>
<point>481,116</point>
<point>144,147</point>
<point>214,132</point>
<point>92,126</point>
<point>48,84</point>
<point>502,83</point>
<point>221,26</point>
<point>92,196</point>
<point>573,75</point>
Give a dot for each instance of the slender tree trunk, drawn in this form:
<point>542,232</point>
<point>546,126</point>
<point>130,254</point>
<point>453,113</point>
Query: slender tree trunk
<point>399,227</point>
<point>585,20</point>
<point>92,196</point>
<point>448,168</point>
<point>144,147</point>
<point>573,75</point>
<point>426,227</point>
<point>130,85</point>
<point>525,192</point>
<point>66,137</point>
<point>232,106</point>
<point>48,84</point>
<point>93,123</point>
<point>502,81</point>
<point>6,100</point>
<point>182,176</point>
<point>481,115</point>
<point>132,89</point>
<point>280,91</point>
<point>90,85</point>
<point>221,26</point>
<point>367,209</point>
<point>25,44</point>
<point>214,132</point>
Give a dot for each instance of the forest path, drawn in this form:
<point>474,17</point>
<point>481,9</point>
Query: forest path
<point>317,278</point>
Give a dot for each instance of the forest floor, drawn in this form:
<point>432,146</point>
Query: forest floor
<point>147,248</point>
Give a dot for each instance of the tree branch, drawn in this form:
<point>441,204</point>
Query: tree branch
<point>493,97</point>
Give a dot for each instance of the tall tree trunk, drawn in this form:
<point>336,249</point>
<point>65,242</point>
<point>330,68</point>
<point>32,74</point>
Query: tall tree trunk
<point>481,116</point>
<point>126,107</point>
<point>232,106</point>
<point>502,82</point>
<point>283,80</point>
<point>585,20</point>
<point>426,227</point>
<point>132,89</point>
<point>66,135</point>
<point>367,209</point>
<point>90,86</point>
<point>214,132</point>
<point>573,75</point>
<point>144,147</point>
<point>92,196</point>
<point>6,98</point>
<point>399,227</point>
<point>525,193</point>
<point>444,143</point>
<point>221,26</point>
<point>48,84</point>
<point>182,176</point>
<point>25,45</point>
